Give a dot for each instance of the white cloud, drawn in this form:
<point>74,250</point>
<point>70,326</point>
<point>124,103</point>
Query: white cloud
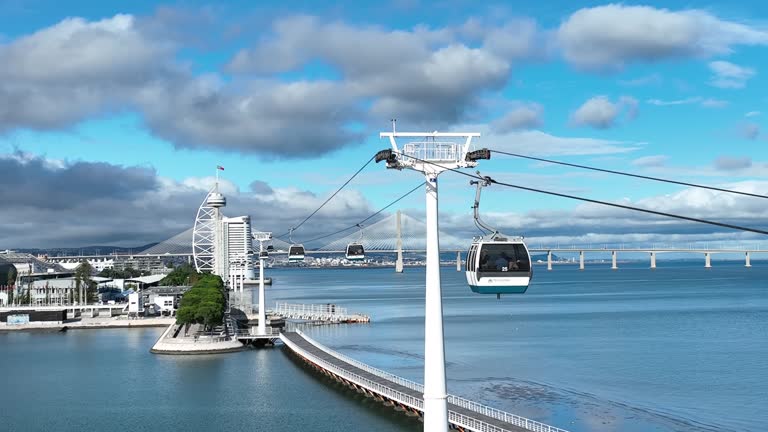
<point>729,163</point>
<point>642,81</point>
<point>425,75</point>
<point>607,38</point>
<point>596,224</point>
<point>523,116</point>
<point>729,75</point>
<point>77,201</point>
<point>536,142</point>
<point>599,112</point>
<point>714,103</point>
<point>706,103</point>
<point>651,161</point>
<point>752,114</point>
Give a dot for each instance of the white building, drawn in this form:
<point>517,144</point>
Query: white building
<point>233,250</point>
<point>98,264</point>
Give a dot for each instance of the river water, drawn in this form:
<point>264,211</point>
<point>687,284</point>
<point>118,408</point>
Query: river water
<point>680,348</point>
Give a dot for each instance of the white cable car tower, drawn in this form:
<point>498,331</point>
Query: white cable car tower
<point>207,230</point>
<point>262,237</point>
<point>432,153</point>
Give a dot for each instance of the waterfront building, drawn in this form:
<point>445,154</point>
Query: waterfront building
<point>151,264</point>
<point>222,245</point>
<point>235,251</point>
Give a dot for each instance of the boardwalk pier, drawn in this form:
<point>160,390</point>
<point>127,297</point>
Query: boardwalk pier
<point>328,313</point>
<point>463,414</point>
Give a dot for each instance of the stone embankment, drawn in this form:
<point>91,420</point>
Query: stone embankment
<point>187,339</point>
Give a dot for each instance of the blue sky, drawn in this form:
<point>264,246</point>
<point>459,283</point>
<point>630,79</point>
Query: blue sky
<point>293,98</point>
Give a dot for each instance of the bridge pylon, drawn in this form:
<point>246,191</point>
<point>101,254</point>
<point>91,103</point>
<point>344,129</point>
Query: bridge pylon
<point>399,231</point>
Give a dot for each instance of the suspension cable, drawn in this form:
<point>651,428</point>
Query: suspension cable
<point>329,198</point>
<point>369,217</point>
<point>594,201</point>
<point>658,179</point>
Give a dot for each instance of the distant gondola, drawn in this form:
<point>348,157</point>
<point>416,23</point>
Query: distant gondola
<point>355,250</point>
<point>296,253</point>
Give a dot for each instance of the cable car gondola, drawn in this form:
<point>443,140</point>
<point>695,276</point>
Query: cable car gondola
<point>296,253</point>
<point>496,264</point>
<point>355,251</point>
<point>295,250</point>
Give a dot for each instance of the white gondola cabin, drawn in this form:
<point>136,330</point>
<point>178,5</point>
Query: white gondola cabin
<point>355,252</point>
<point>296,253</point>
<point>498,265</point>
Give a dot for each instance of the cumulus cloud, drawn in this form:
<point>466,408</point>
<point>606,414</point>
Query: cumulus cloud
<point>86,203</point>
<point>423,74</point>
<point>728,163</point>
<point>519,38</point>
<point>522,116</point>
<point>607,38</point>
<point>729,75</point>
<point>69,72</point>
<point>298,119</point>
<point>599,112</point>
<point>66,72</point>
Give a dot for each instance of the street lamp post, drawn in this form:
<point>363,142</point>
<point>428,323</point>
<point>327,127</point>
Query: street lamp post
<point>431,155</point>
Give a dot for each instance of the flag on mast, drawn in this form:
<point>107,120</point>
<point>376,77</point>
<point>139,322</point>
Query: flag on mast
<point>219,167</point>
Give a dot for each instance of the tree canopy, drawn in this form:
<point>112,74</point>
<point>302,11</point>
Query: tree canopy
<point>127,273</point>
<point>204,303</point>
<point>182,275</point>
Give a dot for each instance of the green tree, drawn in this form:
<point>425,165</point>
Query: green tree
<point>11,276</point>
<point>181,275</point>
<point>84,285</point>
<point>204,303</point>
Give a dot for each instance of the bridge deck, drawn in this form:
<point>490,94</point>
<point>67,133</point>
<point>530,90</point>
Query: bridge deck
<point>385,385</point>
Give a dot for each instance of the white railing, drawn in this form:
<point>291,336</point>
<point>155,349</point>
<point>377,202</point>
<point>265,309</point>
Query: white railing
<point>405,399</point>
<point>432,151</point>
<point>269,331</point>
<point>456,400</point>
<point>318,312</point>
<point>413,385</point>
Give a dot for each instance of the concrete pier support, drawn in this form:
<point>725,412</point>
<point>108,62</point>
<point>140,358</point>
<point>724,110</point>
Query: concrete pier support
<point>613,261</point>
<point>581,260</point>
<point>653,260</point>
<point>399,231</point>
<point>458,261</point>
<point>549,260</point>
<point>748,263</point>
<point>707,260</point>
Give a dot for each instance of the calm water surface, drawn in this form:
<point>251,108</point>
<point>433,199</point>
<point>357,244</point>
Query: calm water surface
<point>677,349</point>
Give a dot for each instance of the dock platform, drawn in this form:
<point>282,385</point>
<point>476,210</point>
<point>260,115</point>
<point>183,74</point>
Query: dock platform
<point>463,414</point>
